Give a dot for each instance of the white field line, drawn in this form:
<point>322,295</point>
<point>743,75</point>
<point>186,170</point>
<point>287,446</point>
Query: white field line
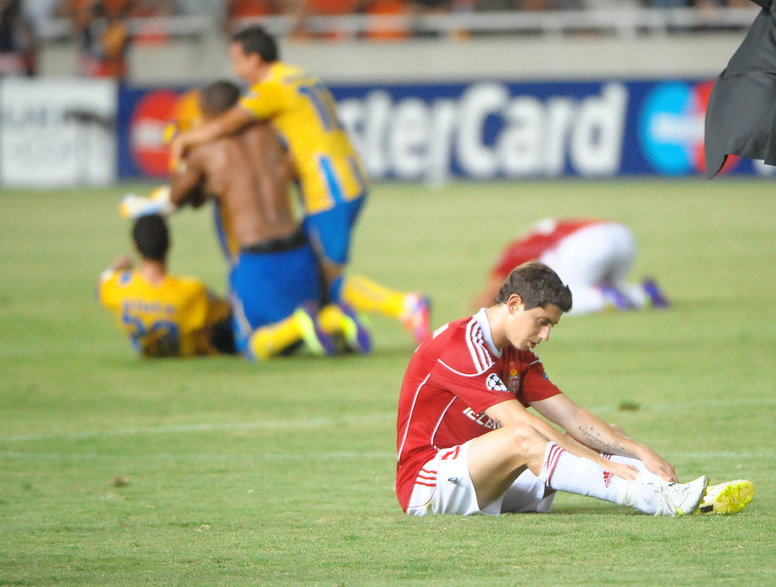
<point>679,406</point>
<point>302,456</point>
<point>386,417</point>
<point>204,427</point>
<point>330,456</point>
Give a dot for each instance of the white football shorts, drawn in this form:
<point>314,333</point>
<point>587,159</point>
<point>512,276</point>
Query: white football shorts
<point>601,253</point>
<point>444,486</point>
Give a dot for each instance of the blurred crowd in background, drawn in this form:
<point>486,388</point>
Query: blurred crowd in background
<point>105,29</point>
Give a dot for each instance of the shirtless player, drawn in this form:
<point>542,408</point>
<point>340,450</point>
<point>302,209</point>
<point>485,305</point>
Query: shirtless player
<point>274,278</point>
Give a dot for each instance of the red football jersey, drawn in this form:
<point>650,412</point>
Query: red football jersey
<point>451,380</point>
<point>532,245</point>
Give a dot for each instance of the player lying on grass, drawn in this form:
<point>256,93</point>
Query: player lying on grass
<point>593,256</point>
<point>467,443</point>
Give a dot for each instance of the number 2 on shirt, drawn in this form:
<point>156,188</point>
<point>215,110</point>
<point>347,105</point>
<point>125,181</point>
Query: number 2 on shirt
<point>160,339</point>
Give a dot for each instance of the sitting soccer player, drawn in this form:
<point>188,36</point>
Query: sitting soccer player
<point>163,315</point>
<point>467,443</point>
<point>593,256</point>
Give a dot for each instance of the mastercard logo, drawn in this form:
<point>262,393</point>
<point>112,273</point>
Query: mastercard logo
<point>149,120</point>
<point>671,127</point>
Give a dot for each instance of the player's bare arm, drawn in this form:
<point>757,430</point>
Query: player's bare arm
<point>593,432</point>
<point>220,126</point>
<point>512,413</point>
<point>186,184</point>
<point>120,263</point>
<point>586,427</point>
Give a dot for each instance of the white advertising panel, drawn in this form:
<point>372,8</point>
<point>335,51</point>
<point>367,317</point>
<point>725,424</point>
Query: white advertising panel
<point>57,132</point>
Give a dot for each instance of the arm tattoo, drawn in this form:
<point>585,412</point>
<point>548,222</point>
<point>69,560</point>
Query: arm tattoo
<point>591,436</point>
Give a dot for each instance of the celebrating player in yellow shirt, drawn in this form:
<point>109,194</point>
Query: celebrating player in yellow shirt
<point>330,175</point>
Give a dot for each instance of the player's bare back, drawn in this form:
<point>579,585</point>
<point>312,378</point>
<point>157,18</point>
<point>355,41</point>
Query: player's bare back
<point>246,173</point>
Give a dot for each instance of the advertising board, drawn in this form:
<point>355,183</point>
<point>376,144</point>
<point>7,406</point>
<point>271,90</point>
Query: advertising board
<point>490,130</point>
<point>57,132</point>
<point>501,130</point>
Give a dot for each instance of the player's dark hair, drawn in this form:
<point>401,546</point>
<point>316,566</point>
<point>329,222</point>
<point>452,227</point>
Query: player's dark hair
<point>255,39</point>
<point>220,96</point>
<point>537,285</point>
<point>151,237</point>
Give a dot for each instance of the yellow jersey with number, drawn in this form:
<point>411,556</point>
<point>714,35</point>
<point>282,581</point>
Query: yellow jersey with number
<point>171,319</point>
<point>304,114</point>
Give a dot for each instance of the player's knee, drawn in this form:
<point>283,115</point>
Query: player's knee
<point>525,440</point>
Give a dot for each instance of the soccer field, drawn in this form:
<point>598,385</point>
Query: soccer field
<point>116,470</point>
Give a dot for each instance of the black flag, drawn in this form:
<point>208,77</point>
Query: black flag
<point>741,116</point>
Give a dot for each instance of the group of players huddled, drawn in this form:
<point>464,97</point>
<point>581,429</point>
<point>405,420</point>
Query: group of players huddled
<point>288,288</point>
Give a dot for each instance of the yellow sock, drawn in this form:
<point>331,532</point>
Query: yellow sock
<point>268,341</point>
<point>367,296</point>
<point>330,319</point>
<point>343,327</point>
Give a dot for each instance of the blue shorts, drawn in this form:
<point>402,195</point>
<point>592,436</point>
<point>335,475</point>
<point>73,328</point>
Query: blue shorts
<point>268,287</point>
<point>330,231</point>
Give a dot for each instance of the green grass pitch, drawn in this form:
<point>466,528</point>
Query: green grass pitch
<point>115,470</point>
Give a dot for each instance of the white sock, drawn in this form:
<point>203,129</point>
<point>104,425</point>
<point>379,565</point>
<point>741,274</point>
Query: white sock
<point>563,471</point>
<point>643,492</point>
<point>648,475</point>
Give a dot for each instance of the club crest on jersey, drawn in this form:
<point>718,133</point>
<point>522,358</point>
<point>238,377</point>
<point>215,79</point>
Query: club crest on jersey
<point>494,383</point>
<point>513,381</point>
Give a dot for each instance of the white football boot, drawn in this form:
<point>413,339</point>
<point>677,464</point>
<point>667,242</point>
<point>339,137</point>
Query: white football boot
<point>681,499</point>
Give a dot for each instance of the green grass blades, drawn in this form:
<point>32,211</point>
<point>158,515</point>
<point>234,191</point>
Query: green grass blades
<point>117,470</point>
